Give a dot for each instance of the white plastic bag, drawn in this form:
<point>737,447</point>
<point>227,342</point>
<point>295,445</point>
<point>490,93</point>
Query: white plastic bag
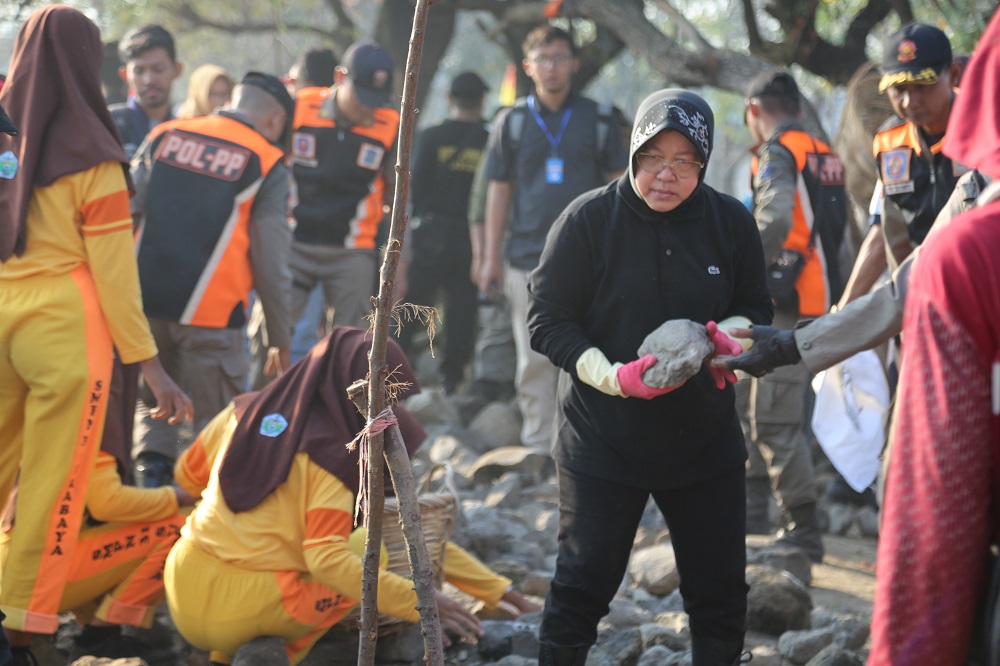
<point>852,401</point>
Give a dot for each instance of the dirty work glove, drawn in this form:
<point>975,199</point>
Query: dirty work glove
<point>724,346</point>
<point>630,379</point>
<point>773,348</point>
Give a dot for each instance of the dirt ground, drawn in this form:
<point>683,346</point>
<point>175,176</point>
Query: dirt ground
<point>845,581</point>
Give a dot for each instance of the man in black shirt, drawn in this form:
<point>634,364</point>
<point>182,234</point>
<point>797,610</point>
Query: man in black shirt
<point>444,164</point>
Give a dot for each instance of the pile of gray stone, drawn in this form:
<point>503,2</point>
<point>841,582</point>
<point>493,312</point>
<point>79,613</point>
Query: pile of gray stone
<point>508,519</point>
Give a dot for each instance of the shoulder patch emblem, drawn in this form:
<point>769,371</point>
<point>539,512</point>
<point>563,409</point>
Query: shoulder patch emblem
<point>370,156</point>
<point>304,148</point>
<point>273,425</point>
<point>8,165</point>
<point>895,168</point>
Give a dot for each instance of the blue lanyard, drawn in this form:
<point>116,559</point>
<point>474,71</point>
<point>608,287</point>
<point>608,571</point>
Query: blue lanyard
<point>553,140</point>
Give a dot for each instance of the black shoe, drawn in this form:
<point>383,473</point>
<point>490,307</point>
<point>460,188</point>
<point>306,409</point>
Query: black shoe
<point>152,470</point>
<point>450,385</point>
<point>710,651</point>
<point>839,492</point>
<point>551,655</point>
<point>113,647</point>
<point>22,656</point>
<point>802,532</point>
<point>491,391</point>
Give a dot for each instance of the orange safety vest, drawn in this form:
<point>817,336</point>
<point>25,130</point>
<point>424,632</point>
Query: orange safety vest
<point>918,182</point>
<point>194,242</point>
<point>819,219</point>
<point>338,172</point>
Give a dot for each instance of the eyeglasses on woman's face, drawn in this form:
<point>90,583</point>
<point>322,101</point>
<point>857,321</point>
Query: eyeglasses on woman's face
<point>680,168</point>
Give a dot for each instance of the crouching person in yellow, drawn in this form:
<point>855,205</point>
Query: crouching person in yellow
<point>115,576</point>
<point>266,552</point>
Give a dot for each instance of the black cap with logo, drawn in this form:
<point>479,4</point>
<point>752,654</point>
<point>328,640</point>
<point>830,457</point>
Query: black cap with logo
<point>916,53</point>
<point>370,69</point>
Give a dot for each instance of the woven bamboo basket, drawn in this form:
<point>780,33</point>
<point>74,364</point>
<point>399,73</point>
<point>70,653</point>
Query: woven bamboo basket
<point>437,517</point>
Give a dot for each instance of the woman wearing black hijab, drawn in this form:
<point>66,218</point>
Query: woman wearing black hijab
<point>657,245</point>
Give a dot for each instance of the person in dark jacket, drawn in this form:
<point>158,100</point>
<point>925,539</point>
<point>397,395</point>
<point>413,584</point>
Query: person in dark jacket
<point>657,245</point>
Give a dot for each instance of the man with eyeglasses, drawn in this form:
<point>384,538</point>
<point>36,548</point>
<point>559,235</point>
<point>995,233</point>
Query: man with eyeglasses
<point>799,202</point>
<point>543,152</point>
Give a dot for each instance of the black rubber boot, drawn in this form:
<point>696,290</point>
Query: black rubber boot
<point>551,655</point>
<point>802,532</point>
<point>710,651</point>
<point>758,504</point>
<point>839,492</point>
<point>152,470</point>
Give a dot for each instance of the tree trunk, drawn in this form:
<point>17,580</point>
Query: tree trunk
<point>392,31</point>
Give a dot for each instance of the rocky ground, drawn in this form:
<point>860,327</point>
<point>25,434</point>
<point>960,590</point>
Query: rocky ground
<point>799,614</point>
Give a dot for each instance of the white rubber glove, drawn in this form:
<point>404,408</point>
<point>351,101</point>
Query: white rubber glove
<point>594,369</point>
<point>737,322</point>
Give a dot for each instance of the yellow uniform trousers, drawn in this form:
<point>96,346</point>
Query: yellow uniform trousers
<point>117,570</point>
<point>55,367</point>
<point>220,606</point>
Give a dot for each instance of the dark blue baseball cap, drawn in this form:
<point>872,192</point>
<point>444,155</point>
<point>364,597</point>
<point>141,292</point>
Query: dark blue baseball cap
<point>370,68</point>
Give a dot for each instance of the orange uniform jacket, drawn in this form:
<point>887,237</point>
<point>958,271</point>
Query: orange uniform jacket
<point>338,172</point>
<point>194,262</point>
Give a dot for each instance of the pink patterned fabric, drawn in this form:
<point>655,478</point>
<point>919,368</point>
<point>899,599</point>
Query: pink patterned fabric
<point>974,125</point>
<point>937,520</point>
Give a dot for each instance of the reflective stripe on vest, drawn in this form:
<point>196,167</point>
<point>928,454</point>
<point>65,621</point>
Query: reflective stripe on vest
<point>194,245</point>
<point>814,286</point>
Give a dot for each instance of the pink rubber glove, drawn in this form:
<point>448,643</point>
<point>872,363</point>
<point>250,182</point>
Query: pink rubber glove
<point>630,379</point>
<point>724,346</point>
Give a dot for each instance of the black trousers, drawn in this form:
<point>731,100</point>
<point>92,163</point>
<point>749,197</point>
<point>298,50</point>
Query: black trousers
<point>597,525</point>
<point>440,266</point>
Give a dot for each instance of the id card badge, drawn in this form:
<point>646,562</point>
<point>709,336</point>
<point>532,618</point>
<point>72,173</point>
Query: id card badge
<point>554,171</point>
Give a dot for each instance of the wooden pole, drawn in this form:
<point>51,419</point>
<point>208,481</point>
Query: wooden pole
<point>377,370</point>
<point>401,472</point>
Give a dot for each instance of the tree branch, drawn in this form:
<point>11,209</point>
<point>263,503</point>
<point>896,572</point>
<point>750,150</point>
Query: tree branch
<point>753,30</point>
<point>344,20</point>
<point>185,11</point>
<point>684,26</point>
<point>904,10</point>
<point>864,21</point>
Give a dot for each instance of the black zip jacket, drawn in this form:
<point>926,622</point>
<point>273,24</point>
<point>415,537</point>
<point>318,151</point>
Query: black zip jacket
<point>612,271</point>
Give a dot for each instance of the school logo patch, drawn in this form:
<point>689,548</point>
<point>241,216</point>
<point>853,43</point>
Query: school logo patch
<point>370,156</point>
<point>273,425</point>
<point>8,165</point>
<point>896,171</point>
